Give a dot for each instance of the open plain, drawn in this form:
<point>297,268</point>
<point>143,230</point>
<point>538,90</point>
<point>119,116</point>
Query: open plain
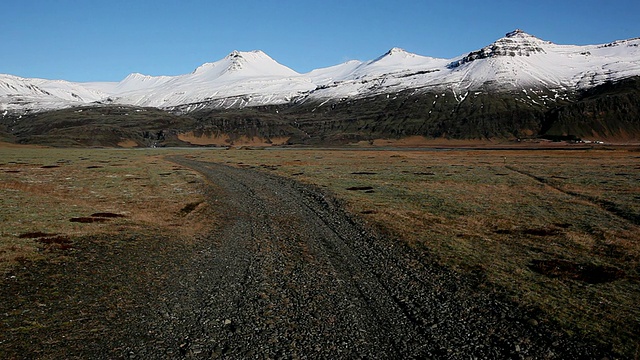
<point>319,253</point>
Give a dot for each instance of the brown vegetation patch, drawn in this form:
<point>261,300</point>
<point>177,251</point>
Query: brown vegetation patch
<point>421,141</point>
<point>88,220</point>
<point>55,240</point>
<point>564,269</point>
<point>127,144</point>
<point>228,139</point>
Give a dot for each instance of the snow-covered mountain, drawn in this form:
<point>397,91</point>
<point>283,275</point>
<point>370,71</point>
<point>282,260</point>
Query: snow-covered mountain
<point>18,93</point>
<point>240,79</point>
<point>516,61</point>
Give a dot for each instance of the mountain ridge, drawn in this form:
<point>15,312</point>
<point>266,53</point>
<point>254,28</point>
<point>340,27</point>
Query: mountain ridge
<point>516,61</point>
<point>518,87</point>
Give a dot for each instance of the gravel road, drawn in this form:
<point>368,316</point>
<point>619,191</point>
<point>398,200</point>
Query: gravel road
<point>289,275</point>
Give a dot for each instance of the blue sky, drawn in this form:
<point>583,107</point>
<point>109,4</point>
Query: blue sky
<point>86,40</point>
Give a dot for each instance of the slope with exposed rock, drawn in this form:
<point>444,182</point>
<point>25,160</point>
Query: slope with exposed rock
<point>518,86</point>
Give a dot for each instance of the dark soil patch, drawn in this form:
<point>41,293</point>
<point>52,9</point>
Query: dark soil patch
<point>363,173</point>
<point>541,232</point>
<point>190,207</point>
<point>367,212</point>
<point>107,215</point>
<point>57,242</point>
<point>49,166</point>
<point>12,171</point>
<point>34,235</point>
<point>297,174</point>
<point>425,173</point>
<point>95,167</point>
<point>360,188</point>
<point>534,231</point>
<point>564,269</point>
<point>88,220</point>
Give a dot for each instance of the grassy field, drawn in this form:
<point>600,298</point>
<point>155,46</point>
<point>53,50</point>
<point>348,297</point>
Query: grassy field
<point>558,231</point>
<point>48,197</point>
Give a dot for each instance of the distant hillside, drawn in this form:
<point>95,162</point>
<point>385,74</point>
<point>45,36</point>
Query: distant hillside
<point>609,112</point>
<point>110,126</point>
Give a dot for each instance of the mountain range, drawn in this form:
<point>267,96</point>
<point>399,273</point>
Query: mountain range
<point>519,81</point>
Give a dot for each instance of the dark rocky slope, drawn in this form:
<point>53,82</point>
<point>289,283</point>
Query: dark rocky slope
<point>610,112</point>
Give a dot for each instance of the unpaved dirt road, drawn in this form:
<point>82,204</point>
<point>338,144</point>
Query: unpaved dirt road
<point>289,275</point>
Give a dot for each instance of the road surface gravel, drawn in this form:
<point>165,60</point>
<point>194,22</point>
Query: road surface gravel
<point>289,275</point>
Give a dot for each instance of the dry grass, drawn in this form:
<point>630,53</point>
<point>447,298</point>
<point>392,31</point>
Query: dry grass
<point>507,214</point>
<point>73,193</point>
<point>227,140</point>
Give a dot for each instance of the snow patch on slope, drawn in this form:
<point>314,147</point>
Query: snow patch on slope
<point>516,61</point>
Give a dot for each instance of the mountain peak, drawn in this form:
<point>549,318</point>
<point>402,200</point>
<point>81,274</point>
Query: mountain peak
<point>244,63</point>
<point>517,33</point>
<point>394,54</point>
<point>396,51</point>
<point>234,55</point>
<point>515,43</point>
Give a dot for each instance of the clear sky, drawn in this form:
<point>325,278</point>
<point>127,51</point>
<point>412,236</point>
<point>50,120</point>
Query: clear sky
<point>87,40</point>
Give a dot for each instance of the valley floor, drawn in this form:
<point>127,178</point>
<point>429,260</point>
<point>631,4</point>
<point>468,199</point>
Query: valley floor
<point>284,271</point>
